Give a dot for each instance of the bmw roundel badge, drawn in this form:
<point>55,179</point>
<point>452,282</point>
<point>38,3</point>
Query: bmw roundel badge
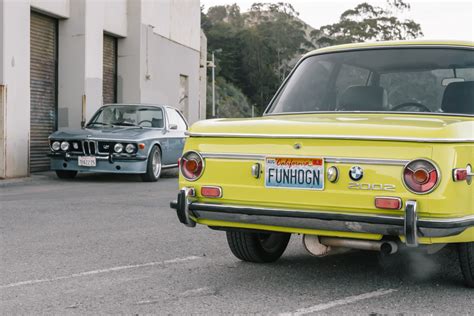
<point>356,173</point>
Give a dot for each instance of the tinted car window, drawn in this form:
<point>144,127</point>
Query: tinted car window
<point>401,80</point>
<point>151,117</point>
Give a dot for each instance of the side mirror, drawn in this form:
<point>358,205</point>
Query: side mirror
<point>83,123</point>
<point>173,126</point>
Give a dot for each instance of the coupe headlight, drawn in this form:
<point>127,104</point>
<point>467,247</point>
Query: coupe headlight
<point>130,148</point>
<point>64,146</point>
<point>56,146</point>
<point>118,148</point>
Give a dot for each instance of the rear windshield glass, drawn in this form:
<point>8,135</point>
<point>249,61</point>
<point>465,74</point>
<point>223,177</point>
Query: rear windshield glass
<point>426,80</point>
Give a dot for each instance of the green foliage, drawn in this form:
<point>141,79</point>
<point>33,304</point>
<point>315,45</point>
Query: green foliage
<point>257,49</point>
<point>230,101</point>
<point>367,23</point>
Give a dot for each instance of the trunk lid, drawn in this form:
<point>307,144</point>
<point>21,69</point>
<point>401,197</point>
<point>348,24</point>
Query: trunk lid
<point>380,145</point>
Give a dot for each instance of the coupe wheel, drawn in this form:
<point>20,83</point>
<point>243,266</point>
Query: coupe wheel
<point>257,247</point>
<point>153,170</point>
<point>66,174</point>
<point>466,259</point>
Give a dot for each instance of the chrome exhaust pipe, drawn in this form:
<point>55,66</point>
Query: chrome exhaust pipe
<point>386,247</point>
<point>325,246</point>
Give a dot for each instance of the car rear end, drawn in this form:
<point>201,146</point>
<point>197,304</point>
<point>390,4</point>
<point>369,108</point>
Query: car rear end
<point>404,189</point>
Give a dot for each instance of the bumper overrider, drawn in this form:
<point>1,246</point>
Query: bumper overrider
<point>408,225</point>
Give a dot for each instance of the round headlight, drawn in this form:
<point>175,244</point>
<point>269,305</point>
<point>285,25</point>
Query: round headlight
<point>130,148</point>
<point>64,146</point>
<point>118,148</point>
<point>56,146</point>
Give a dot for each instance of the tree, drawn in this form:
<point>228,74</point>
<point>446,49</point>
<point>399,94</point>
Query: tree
<point>367,23</point>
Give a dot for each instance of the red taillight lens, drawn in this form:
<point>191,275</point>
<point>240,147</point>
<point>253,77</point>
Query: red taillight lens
<point>212,192</point>
<point>460,174</point>
<point>389,203</point>
<point>191,165</point>
<point>463,174</point>
<point>420,176</point>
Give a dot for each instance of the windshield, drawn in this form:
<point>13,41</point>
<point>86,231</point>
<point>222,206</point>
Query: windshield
<point>426,80</point>
<point>128,115</point>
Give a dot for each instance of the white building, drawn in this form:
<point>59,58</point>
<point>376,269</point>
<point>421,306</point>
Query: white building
<point>60,60</point>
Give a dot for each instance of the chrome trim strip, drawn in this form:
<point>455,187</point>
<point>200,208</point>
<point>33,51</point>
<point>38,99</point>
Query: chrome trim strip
<point>388,113</point>
<point>169,166</point>
<point>340,160</point>
<point>324,136</point>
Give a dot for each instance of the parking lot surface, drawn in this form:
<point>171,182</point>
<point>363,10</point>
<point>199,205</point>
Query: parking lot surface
<point>111,244</point>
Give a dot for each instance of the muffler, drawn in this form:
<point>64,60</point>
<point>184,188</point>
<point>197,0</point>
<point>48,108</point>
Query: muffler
<point>324,246</point>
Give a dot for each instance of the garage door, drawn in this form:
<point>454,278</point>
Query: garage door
<point>43,88</point>
<point>109,84</point>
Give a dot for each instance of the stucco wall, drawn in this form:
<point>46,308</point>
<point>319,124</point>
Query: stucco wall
<point>15,69</point>
<point>169,16</point>
<point>167,60</point>
<point>115,18</point>
<point>57,8</point>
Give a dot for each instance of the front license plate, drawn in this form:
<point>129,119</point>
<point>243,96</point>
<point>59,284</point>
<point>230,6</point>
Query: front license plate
<point>294,173</point>
<point>86,161</point>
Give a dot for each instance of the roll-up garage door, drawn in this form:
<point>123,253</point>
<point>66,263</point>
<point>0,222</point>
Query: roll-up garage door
<point>43,88</point>
<point>109,84</point>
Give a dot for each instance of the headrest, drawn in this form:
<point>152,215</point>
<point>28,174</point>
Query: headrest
<point>459,98</point>
<point>362,98</point>
<point>156,122</point>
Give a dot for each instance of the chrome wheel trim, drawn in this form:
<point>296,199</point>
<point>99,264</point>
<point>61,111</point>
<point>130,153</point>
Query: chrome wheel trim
<point>156,163</point>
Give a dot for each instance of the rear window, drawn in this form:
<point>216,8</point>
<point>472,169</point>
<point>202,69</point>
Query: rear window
<point>414,80</point>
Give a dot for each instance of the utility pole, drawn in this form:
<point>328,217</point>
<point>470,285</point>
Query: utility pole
<point>212,65</point>
<point>213,86</point>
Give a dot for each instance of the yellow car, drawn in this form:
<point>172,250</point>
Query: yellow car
<point>365,146</point>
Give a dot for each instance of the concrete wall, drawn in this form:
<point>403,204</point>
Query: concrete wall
<point>158,41</point>
<point>167,60</point>
<point>56,8</point>
<point>15,76</point>
<point>169,16</point>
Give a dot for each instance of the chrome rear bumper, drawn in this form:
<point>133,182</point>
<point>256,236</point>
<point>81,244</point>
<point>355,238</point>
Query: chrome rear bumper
<point>408,225</point>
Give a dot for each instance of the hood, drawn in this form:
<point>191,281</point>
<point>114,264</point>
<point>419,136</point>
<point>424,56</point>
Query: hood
<point>407,127</point>
<point>122,133</point>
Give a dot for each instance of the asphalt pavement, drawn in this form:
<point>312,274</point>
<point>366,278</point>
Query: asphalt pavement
<point>111,244</point>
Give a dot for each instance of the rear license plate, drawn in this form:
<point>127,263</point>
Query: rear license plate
<point>86,161</point>
<point>294,173</point>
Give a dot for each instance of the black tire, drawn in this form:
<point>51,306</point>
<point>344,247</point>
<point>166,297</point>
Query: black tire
<point>66,174</point>
<point>152,174</point>
<point>257,247</point>
<point>466,259</point>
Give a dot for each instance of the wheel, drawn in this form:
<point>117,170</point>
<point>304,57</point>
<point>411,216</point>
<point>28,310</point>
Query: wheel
<point>66,174</point>
<point>466,259</point>
<point>153,169</point>
<point>257,247</point>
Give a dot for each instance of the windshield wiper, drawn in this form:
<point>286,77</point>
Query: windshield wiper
<point>98,123</point>
<point>126,124</point>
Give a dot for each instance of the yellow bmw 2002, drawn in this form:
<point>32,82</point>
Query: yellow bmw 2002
<point>365,146</point>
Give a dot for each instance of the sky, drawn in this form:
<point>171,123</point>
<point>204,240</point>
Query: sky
<point>441,19</point>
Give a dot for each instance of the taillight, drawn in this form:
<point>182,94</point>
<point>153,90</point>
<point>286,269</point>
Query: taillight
<point>388,203</point>
<point>421,176</point>
<point>211,192</point>
<point>464,174</point>
<point>191,165</point>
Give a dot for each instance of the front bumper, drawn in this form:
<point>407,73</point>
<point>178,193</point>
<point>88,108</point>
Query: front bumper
<point>104,164</point>
<point>408,225</point>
